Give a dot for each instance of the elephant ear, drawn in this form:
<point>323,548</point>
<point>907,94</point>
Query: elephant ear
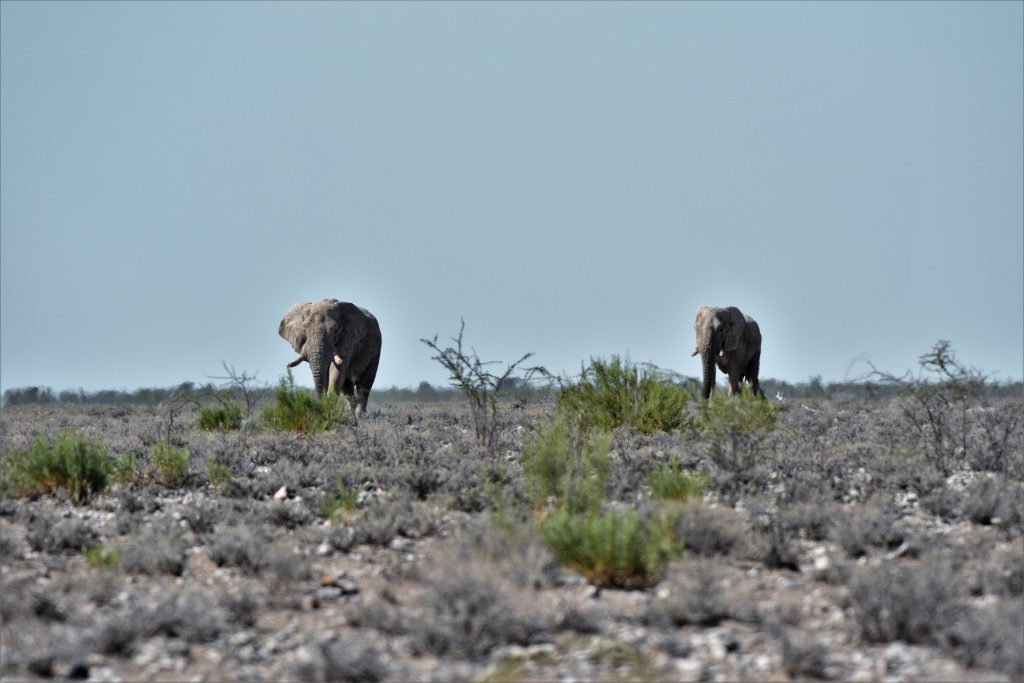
<point>293,325</point>
<point>704,324</point>
<point>700,320</point>
<point>346,325</point>
<point>734,324</point>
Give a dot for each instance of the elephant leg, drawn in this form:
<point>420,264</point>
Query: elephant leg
<point>359,395</point>
<point>342,385</point>
<point>351,393</point>
<point>365,382</point>
<point>753,369</point>
<point>340,377</point>
<point>734,382</point>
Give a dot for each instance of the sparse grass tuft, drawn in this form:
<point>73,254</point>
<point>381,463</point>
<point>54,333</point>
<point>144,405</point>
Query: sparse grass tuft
<point>623,549</point>
<point>614,393</point>
<point>298,410</point>
<point>225,416</point>
<point>337,503</point>
<point>672,484</point>
<point>734,427</point>
<point>69,462</point>
<point>744,412</point>
<point>125,469</point>
<point>100,556</point>
<point>170,463</point>
<point>218,472</point>
<point>569,469</point>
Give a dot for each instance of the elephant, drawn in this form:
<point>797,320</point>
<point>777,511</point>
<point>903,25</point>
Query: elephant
<point>732,340</point>
<point>341,343</point>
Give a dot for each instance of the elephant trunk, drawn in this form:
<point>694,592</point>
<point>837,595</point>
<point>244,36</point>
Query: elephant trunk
<point>707,361</point>
<point>320,358</point>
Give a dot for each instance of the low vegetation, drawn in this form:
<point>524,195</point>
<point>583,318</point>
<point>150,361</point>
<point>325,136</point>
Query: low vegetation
<point>566,475</point>
<point>338,502</point>
<point>68,462</point>
<point>614,548</point>
<point>936,401</point>
<point>218,473</point>
<point>299,410</point>
<point>480,387</point>
<point>225,416</point>
<point>671,483</point>
<point>819,538</point>
<point>101,556</point>
<point>169,463</point>
<point>614,393</point>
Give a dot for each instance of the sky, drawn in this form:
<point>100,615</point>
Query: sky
<point>571,179</point>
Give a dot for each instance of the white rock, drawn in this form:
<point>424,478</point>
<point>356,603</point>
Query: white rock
<point>821,559</point>
<point>281,494</point>
<point>688,669</point>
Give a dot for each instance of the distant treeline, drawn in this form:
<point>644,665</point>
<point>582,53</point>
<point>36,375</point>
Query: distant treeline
<point>427,393</point>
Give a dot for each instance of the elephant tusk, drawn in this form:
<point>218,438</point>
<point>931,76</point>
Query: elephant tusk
<point>337,360</point>
<point>295,362</point>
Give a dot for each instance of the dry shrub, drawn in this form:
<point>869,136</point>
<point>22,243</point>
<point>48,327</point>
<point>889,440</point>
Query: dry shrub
<point>696,593</point>
<point>911,602</point>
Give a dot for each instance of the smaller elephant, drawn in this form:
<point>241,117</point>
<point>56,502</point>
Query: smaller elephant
<point>340,341</point>
<point>728,338</point>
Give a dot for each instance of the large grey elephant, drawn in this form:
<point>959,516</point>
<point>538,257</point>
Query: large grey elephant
<point>728,338</point>
<point>341,343</point>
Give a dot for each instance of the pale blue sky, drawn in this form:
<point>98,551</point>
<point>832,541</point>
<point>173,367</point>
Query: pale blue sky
<point>573,179</point>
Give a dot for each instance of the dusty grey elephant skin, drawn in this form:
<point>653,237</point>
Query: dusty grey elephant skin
<point>732,341</point>
<point>341,343</point>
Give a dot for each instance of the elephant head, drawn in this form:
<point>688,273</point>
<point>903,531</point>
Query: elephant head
<point>732,341</point>
<point>340,341</point>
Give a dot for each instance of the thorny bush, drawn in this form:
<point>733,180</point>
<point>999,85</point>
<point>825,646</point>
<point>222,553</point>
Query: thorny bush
<point>481,387</point>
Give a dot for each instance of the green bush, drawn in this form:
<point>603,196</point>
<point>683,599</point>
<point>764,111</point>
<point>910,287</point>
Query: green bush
<point>219,473</point>
<point>735,427</point>
<point>338,503</point>
<point>170,462</point>
<point>125,468</point>
<point>70,462</point>
<point>570,468</point>
<point>100,556</point>
<point>226,416</point>
<point>671,483</point>
<point>744,412</point>
<point>614,393</point>
<point>298,410</point>
<point>623,549</point>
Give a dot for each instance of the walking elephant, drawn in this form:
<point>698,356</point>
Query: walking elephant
<point>732,341</point>
<point>341,343</point>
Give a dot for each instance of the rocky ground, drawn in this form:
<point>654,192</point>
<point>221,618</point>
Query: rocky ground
<point>838,547</point>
